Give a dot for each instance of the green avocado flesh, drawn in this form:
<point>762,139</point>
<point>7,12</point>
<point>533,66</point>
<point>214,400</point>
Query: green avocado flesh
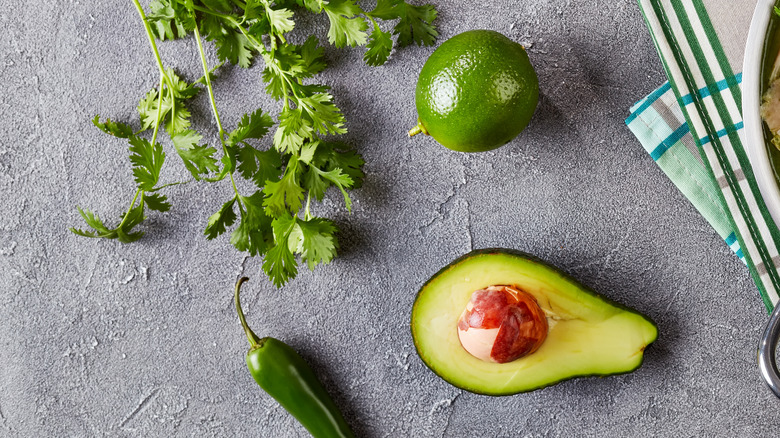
<point>588,335</point>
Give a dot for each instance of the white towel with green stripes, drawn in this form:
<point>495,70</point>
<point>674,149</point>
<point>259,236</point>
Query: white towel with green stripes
<point>691,126</point>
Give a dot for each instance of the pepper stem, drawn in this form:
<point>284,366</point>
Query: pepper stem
<point>418,129</point>
<point>254,341</point>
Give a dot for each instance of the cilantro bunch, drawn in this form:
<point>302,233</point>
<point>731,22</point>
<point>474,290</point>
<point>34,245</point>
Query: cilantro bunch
<point>289,161</point>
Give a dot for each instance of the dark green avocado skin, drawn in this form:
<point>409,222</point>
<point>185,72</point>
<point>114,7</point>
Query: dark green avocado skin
<point>516,253</point>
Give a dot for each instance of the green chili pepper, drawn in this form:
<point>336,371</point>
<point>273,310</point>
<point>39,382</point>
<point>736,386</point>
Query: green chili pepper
<point>286,377</point>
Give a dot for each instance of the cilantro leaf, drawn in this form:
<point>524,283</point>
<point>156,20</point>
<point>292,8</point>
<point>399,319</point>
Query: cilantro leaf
<point>282,227</point>
<point>147,109</point>
<point>179,120</point>
<point>185,14</point>
<point>253,233</point>
<point>379,46</point>
<point>232,45</point>
<point>229,159</point>
<point>325,116</point>
<point>279,20</point>
<point>293,129</point>
<point>313,239</point>
<point>199,160</point>
<point>312,5</point>
<point>308,150</point>
<point>274,78</point>
<point>181,89</point>
<point>185,139</point>
<point>346,26</point>
<point>258,26</point>
<point>117,129</point>
<point>318,243</point>
<point>386,9</point>
<point>286,194</point>
<point>337,177</point>
<point>333,163</point>
<point>123,232</point>
<point>314,112</point>
<point>280,263</point>
<point>219,221</point>
<point>253,125</point>
<point>173,111</point>
<point>337,155</point>
<point>147,161</point>
<point>317,181</point>
<point>95,223</point>
<point>218,5</point>
<point>253,9</point>
<point>289,63</point>
<point>129,237</point>
<point>164,20</point>
<point>313,57</point>
<point>83,233</point>
<point>133,217</point>
<point>259,166</point>
<point>156,202</point>
<point>415,24</point>
<point>173,102</point>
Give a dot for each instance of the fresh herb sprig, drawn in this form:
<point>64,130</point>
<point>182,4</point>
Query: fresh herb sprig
<point>301,163</point>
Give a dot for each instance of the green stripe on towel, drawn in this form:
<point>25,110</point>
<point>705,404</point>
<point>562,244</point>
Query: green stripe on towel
<point>677,161</point>
<point>699,113</point>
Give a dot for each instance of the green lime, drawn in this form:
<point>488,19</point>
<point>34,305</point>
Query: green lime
<point>476,92</point>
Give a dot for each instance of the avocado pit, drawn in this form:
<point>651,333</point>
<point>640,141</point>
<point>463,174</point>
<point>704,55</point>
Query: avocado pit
<point>501,324</point>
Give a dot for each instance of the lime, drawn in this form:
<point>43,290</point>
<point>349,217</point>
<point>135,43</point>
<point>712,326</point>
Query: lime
<point>476,92</point>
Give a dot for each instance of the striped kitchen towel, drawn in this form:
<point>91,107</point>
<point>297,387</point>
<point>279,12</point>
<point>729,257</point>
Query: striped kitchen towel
<point>691,126</point>
<point>659,124</point>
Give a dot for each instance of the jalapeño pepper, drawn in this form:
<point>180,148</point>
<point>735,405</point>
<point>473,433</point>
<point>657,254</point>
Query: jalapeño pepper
<point>286,377</point>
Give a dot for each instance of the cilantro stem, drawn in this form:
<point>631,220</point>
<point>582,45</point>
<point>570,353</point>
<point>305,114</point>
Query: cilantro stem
<point>159,110</point>
<point>163,76</point>
<point>163,79</point>
<point>214,103</point>
<point>154,140</point>
<point>150,36</point>
<point>202,79</point>
<point>376,26</point>
<point>169,185</point>
<point>208,81</point>
<point>210,12</point>
<point>127,213</point>
<point>258,45</point>
<point>240,4</point>
<point>307,214</point>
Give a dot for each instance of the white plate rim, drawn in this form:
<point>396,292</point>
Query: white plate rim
<point>753,139</point>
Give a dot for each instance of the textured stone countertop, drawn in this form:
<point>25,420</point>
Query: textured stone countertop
<point>99,338</point>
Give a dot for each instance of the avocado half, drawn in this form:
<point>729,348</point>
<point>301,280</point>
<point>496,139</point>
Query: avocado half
<point>588,335</point>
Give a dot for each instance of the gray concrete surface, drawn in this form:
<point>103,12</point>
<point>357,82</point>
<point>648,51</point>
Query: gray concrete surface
<point>98,338</point>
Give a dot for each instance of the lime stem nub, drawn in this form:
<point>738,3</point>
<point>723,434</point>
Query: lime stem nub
<point>417,130</point>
